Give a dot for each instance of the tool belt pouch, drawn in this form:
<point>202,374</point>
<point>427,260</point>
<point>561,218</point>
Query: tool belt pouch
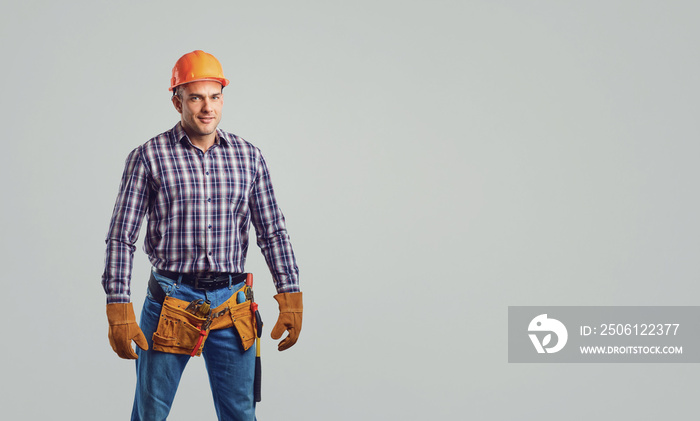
<point>179,331</point>
<point>239,316</point>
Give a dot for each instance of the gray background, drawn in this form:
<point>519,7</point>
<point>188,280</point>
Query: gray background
<point>437,161</point>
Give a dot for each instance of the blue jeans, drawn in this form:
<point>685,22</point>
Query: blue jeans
<point>231,370</point>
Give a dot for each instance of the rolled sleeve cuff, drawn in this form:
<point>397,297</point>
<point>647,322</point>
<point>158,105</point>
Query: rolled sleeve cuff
<point>284,288</point>
<point>118,298</point>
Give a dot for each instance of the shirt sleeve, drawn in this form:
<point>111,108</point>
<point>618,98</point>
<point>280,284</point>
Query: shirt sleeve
<point>271,231</point>
<point>129,210</point>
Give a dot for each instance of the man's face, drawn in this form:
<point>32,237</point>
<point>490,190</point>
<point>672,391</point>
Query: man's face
<point>200,104</point>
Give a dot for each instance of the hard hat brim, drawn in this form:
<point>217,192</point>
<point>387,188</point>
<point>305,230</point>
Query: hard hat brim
<point>222,81</point>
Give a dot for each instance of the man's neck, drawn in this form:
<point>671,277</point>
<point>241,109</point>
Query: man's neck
<point>202,143</point>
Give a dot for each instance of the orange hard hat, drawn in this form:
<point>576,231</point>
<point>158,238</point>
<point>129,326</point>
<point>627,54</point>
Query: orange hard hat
<point>195,66</point>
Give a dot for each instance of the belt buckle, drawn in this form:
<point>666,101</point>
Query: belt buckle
<point>196,285</point>
<point>207,280</point>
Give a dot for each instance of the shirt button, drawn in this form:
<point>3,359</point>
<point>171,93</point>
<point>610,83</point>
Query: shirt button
<point>207,173</point>
<point>209,199</point>
<point>209,226</point>
<point>210,253</point>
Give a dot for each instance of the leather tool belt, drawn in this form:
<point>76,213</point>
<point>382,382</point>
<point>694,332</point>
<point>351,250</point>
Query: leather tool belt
<point>183,327</point>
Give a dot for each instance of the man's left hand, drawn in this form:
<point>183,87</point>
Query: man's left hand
<point>291,310</point>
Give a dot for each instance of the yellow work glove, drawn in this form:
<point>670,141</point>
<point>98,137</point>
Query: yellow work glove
<point>291,309</point>
<point>123,329</point>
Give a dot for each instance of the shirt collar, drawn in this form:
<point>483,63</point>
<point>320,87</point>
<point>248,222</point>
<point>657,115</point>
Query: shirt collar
<point>178,134</point>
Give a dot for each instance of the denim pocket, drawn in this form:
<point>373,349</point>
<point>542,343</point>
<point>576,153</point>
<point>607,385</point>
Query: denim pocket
<point>166,283</point>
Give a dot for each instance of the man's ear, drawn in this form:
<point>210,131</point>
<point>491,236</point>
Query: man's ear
<point>177,102</point>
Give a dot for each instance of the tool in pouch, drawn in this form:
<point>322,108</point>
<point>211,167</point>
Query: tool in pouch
<point>257,383</point>
<point>183,327</point>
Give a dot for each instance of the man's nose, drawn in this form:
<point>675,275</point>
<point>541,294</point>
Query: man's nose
<point>206,106</point>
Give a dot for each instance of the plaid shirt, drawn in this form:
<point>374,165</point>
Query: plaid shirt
<point>199,207</point>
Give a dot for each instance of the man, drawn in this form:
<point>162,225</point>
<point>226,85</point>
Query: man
<point>200,188</point>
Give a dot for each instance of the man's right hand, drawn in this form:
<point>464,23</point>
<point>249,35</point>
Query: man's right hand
<point>123,329</point>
